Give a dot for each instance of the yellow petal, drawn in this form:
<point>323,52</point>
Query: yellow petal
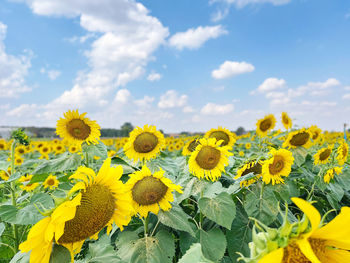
<point>275,256</point>
<point>311,212</point>
<point>306,249</point>
<point>337,256</point>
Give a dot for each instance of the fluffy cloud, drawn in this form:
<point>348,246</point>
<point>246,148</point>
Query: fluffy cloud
<point>271,84</point>
<point>122,96</point>
<point>217,109</point>
<point>145,102</point>
<point>243,3</point>
<point>232,68</point>
<point>154,77</point>
<point>13,70</point>
<point>52,74</point>
<point>194,38</point>
<point>171,99</point>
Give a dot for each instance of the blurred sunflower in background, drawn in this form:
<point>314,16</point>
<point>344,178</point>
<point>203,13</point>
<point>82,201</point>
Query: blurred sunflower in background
<point>286,121</point>
<point>144,143</point>
<point>299,138</point>
<point>265,125</point>
<point>76,128</point>
<point>342,152</point>
<point>315,133</point>
<point>190,146</point>
<point>51,182</point>
<point>329,175</point>
<point>254,167</point>
<point>209,159</point>
<point>323,155</point>
<point>99,200</point>
<point>150,192</point>
<point>221,133</point>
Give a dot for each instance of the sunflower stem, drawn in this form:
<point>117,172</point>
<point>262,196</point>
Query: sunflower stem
<point>13,194</point>
<point>154,229</point>
<point>145,224</point>
<point>200,214</point>
<point>86,159</point>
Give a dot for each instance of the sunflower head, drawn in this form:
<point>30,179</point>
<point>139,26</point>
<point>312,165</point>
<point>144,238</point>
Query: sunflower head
<point>223,134</point>
<point>323,155</point>
<point>263,126</point>
<point>277,166</point>
<point>254,167</point>
<point>209,159</point>
<point>315,133</point>
<point>342,152</point>
<point>51,182</point>
<point>190,146</point>
<point>150,192</point>
<point>299,138</point>
<point>144,143</point>
<point>286,121</point>
<point>76,128</point>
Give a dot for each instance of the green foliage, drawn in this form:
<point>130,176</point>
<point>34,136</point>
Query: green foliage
<point>66,162</point>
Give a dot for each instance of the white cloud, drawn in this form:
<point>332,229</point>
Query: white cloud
<point>347,88</point>
<point>13,69</point>
<point>194,38</point>
<point>81,39</point>
<point>171,99</point>
<point>346,96</point>
<point>243,3</point>
<point>220,14</point>
<point>217,109</point>
<point>188,109</point>
<point>271,84</point>
<point>122,96</point>
<point>232,68</point>
<point>154,77</point>
<point>146,101</point>
<point>52,74</point>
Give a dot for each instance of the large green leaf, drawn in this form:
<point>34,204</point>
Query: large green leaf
<point>127,168</point>
<point>21,258</point>
<point>299,155</point>
<point>176,218</point>
<point>92,150</point>
<point>194,255</point>
<point>221,209</point>
<point>63,163</point>
<point>262,204</point>
<point>2,228</point>
<point>25,216</point>
<point>60,254</point>
<point>213,244</point>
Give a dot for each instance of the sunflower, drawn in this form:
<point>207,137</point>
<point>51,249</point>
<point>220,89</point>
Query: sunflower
<point>286,121</point>
<point>4,176</point>
<point>263,126</point>
<point>277,166</point>
<point>3,145</point>
<point>73,148</point>
<point>322,155</point>
<point>150,192</point>
<point>45,149</point>
<point>21,149</point>
<point>59,148</point>
<point>316,133</point>
<point>51,182</point>
<point>100,201</point>
<point>171,147</point>
<point>330,173</point>
<point>248,145</point>
<point>241,153</point>
<point>298,138</point>
<point>76,128</point>
<point>18,160</point>
<point>249,167</point>
<point>222,134</point>
<point>190,146</point>
<point>144,144</point>
<point>25,178</point>
<point>209,159</point>
<point>29,187</point>
<point>342,152</point>
<point>328,243</point>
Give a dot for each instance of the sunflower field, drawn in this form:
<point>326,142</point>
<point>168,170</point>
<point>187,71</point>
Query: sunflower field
<point>268,196</point>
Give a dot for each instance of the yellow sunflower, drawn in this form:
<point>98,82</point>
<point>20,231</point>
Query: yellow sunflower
<point>59,148</point>
<point>51,182</point>
<point>3,145</point>
<point>342,152</point>
<point>254,167</point>
<point>29,187</point>
<point>150,192</point>
<point>222,134</point>
<point>316,133</point>
<point>248,145</point>
<point>330,174</point>
<point>76,128</point>
<point>286,121</point>
<point>144,144</point>
<point>298,138</point>
<point>241,153</point>
<point>18,160</point>
<point>74,148</point>
<point>4,176</point>
<point>209,159</point>
<point>322,156</point>
<point>25,178</point>
<point>190,146</point>
<point>277,166</point>
<point>100,201</point>
<point>263,126</point>
<point>20,149</point>
<point>45,149</point>
<point>328,244</point>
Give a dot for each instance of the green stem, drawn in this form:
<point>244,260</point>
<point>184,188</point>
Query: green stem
<point>86,159</point>
<point>6,245</point>
<point>13,194</point>
<point>262,190</point>
<point>154,229</point>
<point>145,224</point>
<point>201,217</point>
<point>311,191</point>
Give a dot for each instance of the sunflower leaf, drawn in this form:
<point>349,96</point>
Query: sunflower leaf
<point>221,209</point>
<point>64,162</point>
<point>194,254</point>
<point>213,244</point>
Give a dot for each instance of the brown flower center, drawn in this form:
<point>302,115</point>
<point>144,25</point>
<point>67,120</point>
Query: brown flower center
<point>300,139</point>
<point>45,149</point>
<point>94,212</point>
<point>78,129</point>
<point>148,191</point>
<point>20,150</point>
<point>51,182</point>
<point>2,146</point>
<point>325,154</point>
<point>293,254</point>
<point>192,146</point>
<point>265,125</point>
<point>145,142</point>
<point>256,169</point>
<point>315,135</point>
<point>345,151</point>
<point>220,135</point>
<point>208,157</point>
<point>285,119</point>
<point>277,165</point>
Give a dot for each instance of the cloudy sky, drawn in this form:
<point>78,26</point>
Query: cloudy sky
<point>181,65</point>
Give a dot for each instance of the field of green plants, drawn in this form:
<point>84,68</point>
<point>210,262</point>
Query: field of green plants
<point>266,196</point>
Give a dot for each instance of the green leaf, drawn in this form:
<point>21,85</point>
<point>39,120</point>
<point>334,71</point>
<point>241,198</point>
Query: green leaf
<point>2,228</point>
<point>240,235</point>
<point>42,201</point>
<point>187,184</point>
<point>64,162</point>
<point>21,258</point>
<point>282,191</point>
<point>25,216</point>
<point>336,191</point>
<point>262,205</point>
<point>125,243</point>
<point>194,255</point>
<point>60,254</point>
<point>221,209</point>
<point>4,165</point>
<point>127,168</point>
<point>8,213</point>
<point>185,241</point>
<point>176,218</point>
<point>92,150</point>
<point>213,244</point>
<point>299,155</point>
<point>212,189</point>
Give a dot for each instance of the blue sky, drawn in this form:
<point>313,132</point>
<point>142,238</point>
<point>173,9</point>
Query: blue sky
<point>180,65</point>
